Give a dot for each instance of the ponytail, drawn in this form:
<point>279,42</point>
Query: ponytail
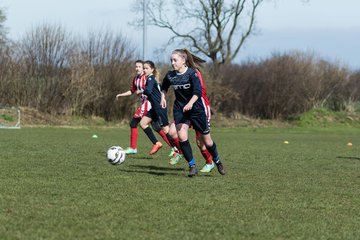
<point>191,60</point>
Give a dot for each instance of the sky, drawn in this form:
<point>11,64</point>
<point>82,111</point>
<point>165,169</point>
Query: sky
<point>328,28</point>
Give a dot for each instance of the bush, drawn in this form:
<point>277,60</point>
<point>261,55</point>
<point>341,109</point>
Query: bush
<point>53,72</point>
<point>286,85</point>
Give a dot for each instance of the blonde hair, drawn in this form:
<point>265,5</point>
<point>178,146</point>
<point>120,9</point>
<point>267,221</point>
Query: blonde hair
<point>190,59</point>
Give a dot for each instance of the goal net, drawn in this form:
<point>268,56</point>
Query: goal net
<point>9,117</point>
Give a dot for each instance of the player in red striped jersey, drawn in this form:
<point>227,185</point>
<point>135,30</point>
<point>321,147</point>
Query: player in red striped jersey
<point>209,165</point>
<point>138,86</point>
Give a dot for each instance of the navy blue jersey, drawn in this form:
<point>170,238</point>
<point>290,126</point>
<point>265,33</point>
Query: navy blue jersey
<point>185,86</point>
<point>152,91</point>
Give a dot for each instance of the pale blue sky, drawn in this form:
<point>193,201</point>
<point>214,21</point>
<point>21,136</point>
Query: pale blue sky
<point>327,27</point>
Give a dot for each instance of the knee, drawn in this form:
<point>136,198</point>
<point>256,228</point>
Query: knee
<point>133,123</point>
<point>166,129</point>
<point>198,143</point>
<point>172,132</point>
<point>143,125</point>
<point>207,141</point>
<point>156,126</point>
<point>182,136</point>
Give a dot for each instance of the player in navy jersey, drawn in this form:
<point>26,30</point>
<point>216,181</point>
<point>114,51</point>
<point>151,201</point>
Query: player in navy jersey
<point>209,164</point>
<point>188,107</point>
<point>157,113</point>
<point>138,85</point>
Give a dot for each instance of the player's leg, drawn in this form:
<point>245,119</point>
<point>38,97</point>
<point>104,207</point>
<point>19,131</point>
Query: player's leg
<point>182,130</point>
<point>144,123</point>
<point>172,132</point>
<point>209,164</point>
<point>211,147</point>
<point>173,136</point>
<point>156,126</point>
<point>177,154</point>
<point>200,123</point>
<point>133,136</point>
<point>141,111</point>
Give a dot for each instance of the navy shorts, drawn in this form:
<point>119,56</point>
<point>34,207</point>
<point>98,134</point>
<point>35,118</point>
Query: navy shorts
<point>158,115</point>
<point>196,117</point>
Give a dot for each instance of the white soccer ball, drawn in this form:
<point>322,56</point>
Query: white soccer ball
<point>115,155</point>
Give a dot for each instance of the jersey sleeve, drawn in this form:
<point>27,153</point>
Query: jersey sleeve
<point>165,83</point>
<point>195,81</point>
<point>150,82</point>
<point>133,86</point>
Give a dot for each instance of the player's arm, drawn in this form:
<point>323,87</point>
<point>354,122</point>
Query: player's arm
<point>196,92</point>
<point>124,94</point>
<point>163,99</point>
<point>164,88</point>
<point>150,82</point>
<point>190,104</point>
<point>129,92</point>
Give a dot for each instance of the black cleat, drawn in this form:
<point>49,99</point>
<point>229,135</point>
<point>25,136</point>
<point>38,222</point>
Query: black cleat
<point>192,171</point>
<point>221,168</point>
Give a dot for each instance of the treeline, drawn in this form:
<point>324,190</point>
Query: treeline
<point>285,85</point>
<point>55,72</point>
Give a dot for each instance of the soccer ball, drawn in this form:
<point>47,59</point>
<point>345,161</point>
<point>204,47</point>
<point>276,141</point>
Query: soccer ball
<point>115,155</point>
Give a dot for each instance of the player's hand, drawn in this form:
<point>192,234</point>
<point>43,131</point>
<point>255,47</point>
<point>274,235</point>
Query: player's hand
<point>117,97</point>
<point>187,107</point>
<point>138,92</point>
<point>163,102</point>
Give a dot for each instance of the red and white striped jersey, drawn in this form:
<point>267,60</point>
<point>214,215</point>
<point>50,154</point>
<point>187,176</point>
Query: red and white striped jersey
<point>139,83</point>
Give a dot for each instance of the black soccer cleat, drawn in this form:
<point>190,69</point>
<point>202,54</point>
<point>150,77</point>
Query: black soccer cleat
<point>221,168</point>
<point>192,171</point>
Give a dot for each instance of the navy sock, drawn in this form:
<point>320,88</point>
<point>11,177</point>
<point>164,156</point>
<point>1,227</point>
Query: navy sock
<point>150,135</point>
<point>191,163</point>
<point>187,151</point>
<point>213,151</point>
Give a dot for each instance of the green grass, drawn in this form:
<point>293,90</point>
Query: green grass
<point>56,184</point>
<point>323,117</point>
<point>7,117</point>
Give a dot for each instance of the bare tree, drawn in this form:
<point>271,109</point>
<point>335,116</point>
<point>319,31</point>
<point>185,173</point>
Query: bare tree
<point>3,30</point>
<point>220,28</point>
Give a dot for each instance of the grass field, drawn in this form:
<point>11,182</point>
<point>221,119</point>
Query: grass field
<point>56,184</point>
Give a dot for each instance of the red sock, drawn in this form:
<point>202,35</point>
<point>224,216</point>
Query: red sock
<point>133,137</point>
<point>207,156</point>
<point>163,135</point>
<point>176,142</point>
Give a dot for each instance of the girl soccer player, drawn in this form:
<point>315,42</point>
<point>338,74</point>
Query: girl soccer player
<point>209,164</point>
<point>157,113</point>
<point>188,107</point>
<point>138,86</point>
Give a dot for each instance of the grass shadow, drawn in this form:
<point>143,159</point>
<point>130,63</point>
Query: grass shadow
<point>141,157</point>
<point>160,171</point>
<point>151,172</point>
<point>154,170</point>
<point>157,168</point>
<point>348,158</point>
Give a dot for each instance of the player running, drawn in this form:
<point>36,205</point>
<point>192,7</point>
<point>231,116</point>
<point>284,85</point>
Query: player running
<point>156,113</point>
<point>138,86</point>
<point>209,164</point>
<point>188,107</point>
